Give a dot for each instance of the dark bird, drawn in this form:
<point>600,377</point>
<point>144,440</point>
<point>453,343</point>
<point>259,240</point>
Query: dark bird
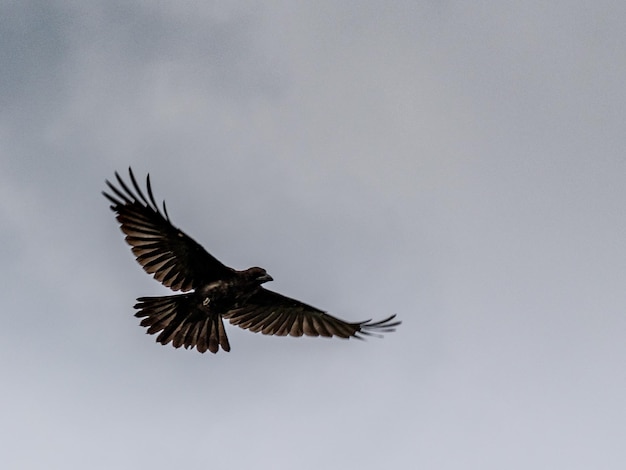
<point>217,291</point>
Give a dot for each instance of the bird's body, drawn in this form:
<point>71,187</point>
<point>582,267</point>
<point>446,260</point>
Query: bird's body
<point>195,319</point>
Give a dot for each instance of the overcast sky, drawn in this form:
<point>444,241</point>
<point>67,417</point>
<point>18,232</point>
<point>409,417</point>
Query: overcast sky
<point>461,164</point>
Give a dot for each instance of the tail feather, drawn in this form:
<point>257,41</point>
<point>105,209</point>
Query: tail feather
<point>221,334</point>
<point>202,334</point>
<point>181,321</point>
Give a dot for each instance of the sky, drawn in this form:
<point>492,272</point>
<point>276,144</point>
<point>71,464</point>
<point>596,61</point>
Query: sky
<point>459,164</point>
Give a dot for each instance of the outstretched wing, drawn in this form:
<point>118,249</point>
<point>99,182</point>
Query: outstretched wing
<point>164,251</point>
<point>274,314</point>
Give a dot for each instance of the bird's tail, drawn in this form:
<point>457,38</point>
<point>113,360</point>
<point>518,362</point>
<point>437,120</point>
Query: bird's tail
<point>181,321</point>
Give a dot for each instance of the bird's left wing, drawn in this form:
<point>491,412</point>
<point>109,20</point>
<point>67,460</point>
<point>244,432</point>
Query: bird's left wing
<point>166,252</point>
<point>274,314</point>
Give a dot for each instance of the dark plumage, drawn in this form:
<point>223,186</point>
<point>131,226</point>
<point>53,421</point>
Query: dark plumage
<point>195,318</point>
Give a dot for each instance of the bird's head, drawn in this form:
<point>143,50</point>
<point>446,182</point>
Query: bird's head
<point>258,275</point>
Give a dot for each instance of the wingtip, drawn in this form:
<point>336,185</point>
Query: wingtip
<point>378,328</point>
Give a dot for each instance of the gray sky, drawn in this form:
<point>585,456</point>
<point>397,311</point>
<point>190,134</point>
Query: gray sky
<point>461,164</point>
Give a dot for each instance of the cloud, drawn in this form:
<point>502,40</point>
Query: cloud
<point>460,165</point>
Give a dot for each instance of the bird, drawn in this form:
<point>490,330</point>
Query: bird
<point>208,290</point>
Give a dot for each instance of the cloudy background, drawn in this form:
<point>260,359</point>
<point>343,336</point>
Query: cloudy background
<point>461,164</point>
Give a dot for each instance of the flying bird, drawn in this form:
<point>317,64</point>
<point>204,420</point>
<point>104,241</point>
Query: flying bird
<point>210,290</point>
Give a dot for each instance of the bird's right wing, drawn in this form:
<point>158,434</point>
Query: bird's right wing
<point>274,314</point>
<point>164,251</point>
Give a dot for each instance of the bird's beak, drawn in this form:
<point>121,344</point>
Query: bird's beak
<point>264,278</point>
